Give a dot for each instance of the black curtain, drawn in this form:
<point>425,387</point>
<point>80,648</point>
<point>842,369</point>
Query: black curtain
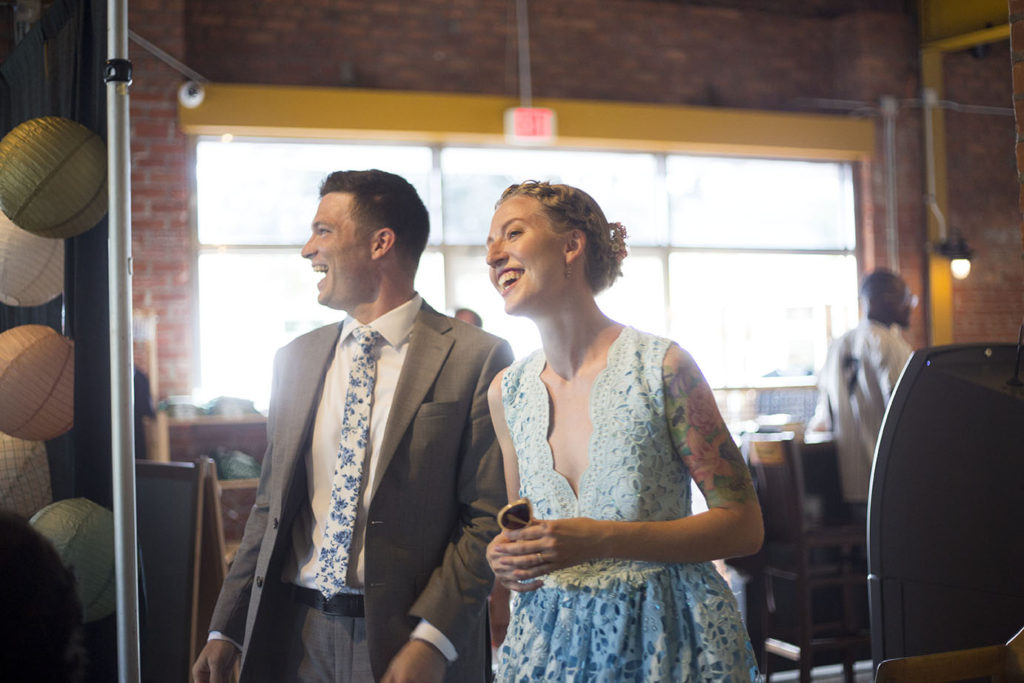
<point>57,70</point>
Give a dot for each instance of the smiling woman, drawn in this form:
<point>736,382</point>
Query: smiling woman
<point>695,251</point>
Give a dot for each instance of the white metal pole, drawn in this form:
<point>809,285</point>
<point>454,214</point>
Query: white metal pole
<point>122,427</point>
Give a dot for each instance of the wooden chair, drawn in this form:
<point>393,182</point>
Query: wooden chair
<point>997,663</point>
<point>810,557</point>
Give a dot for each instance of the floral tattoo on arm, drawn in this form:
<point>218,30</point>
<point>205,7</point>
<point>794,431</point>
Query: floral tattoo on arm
<point>700,435</point>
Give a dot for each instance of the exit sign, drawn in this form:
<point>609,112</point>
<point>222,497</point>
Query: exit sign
<point>529,125</point>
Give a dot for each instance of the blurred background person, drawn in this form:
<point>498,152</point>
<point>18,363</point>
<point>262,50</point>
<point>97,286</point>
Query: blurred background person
<point>468,315</point>
<point>858,378</point>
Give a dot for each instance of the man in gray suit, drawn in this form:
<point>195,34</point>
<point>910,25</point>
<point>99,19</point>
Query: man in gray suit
<point>412,607</point>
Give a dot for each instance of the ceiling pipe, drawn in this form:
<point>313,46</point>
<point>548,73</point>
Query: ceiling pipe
<point>889,108</point>
<point>523,42</point>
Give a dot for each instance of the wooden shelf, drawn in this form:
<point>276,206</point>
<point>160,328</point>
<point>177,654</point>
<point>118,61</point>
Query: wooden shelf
<point>230,484</point>
<point>189,438</point>
<point>254,418</point>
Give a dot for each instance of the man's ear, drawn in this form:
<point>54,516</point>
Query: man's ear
<point>382,242</point>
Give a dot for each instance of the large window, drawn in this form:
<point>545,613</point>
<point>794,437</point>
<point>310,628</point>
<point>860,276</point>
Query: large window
<point>747,263</point>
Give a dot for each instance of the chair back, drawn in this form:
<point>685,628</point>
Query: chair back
<point>776,467</point>
<point>997,663</point>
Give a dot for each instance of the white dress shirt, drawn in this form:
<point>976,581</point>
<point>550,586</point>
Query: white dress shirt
<point>855,385</point>
<point>308,534</point>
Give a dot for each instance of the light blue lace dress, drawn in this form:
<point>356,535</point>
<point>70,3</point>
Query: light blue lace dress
<point>616,620</point>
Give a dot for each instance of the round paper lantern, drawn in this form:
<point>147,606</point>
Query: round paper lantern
<point>53,177</point>
<point>37,376</point>
<point>24,476</point>
<point>31,267</point>
<point>83,534</point>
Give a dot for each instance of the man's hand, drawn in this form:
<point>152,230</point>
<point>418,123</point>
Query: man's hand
<point>417,662</point>
<point>215,662</point>
<point>500,613</point>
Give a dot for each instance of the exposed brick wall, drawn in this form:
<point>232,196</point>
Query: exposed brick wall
<point>161,233</point>
<point>624,50</point>
<point>774,54</point>
<point>876,57</point>
<point>982,178</point>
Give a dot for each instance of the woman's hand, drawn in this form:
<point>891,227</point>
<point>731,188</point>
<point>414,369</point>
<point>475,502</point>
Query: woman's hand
<point>542,547</point>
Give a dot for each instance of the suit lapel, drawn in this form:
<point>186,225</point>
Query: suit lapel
<point>306,382</point>
<point>429,345</point>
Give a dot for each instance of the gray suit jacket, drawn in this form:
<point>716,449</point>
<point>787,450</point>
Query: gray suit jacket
<point>431,514</point>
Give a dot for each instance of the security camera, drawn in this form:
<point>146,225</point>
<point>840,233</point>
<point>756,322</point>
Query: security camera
<point>191,94</point>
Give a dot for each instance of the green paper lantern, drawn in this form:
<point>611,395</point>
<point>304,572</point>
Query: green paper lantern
<point>37,381</point>
<point>53,177</point>
<point>83,534</point>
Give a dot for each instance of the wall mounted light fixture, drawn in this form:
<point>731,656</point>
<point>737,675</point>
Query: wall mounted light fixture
<point>955,248</point>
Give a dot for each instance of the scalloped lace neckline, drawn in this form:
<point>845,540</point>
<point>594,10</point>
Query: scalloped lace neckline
<point>569,498</point>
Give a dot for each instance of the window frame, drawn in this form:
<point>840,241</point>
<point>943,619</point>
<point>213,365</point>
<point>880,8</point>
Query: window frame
<point>434,203</point>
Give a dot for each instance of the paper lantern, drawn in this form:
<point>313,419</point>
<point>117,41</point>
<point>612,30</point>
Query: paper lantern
<point>24,476</point>
<point>37,376</point>
<point>53,177</point>
<point>83,534</point>
<point>31,267</point>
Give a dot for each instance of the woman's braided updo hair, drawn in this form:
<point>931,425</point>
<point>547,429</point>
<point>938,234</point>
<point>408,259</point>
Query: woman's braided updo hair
<point>569,208</point>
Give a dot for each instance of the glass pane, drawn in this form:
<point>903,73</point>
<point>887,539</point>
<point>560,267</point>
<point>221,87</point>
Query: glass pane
<point>758,203</point>
<point>471,288</point>
<point>638,297</point>
<point>250,305</point>
<point>239,336</point>
<point>622,183</point>
<point>430,279</point>
<point>749,318</point>
<point>257,192</point>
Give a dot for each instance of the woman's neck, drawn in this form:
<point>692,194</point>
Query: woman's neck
<point>575,335</point>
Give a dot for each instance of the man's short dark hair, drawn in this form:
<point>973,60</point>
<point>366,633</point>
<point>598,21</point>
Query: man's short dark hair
<point>385,200</point>
<point>880,282</point>
<point>888,299</point>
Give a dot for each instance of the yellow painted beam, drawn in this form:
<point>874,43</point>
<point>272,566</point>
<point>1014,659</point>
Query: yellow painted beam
<point>945,22</point>
<point>940,282</point>
<point>969,40</point>
<point>940,295</point>
<point>333,113</point>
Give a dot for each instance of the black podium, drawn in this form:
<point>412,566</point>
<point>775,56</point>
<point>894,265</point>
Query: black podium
<point>946,510</point>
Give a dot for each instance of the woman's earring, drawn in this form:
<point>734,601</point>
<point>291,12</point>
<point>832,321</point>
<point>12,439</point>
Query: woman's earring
<point>568,271</point>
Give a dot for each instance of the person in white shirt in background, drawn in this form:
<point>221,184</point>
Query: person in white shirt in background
<point>858,378</point>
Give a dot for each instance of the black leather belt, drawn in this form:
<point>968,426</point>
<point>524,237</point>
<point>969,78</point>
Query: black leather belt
<point>341,605</point>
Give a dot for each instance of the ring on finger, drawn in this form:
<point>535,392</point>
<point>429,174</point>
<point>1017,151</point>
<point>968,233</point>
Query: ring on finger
<point>540,558</point>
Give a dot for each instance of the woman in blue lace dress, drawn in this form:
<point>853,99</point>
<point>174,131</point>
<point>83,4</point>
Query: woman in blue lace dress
<point>603,429</point>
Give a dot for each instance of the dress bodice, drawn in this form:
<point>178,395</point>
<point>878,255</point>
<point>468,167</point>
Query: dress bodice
<point>633,473</point>
<point>616,620</point>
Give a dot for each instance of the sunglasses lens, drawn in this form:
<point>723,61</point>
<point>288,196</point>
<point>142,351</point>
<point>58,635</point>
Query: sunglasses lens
<point>515,517</point>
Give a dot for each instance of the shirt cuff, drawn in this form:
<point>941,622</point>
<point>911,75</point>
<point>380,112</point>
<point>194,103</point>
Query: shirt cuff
<point>428,632</point>
<point>217,635</point>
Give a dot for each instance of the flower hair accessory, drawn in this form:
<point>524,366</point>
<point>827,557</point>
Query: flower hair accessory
<point>618,237</point>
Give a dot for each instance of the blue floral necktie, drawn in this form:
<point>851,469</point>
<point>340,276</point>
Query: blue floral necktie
<point>348,472</point>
